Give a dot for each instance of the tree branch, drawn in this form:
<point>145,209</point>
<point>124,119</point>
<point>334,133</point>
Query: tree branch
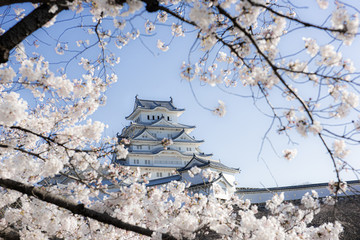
<point>76,208</point>
<point>9,2</point>
<point>29,24</point>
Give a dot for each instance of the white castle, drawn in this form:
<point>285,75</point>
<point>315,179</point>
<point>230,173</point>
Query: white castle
<point>158,144</point>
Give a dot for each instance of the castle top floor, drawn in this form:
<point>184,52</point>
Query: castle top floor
<point>147,111</point>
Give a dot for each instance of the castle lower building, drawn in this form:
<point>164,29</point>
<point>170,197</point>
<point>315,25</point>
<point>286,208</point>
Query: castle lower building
<point>157,142</point>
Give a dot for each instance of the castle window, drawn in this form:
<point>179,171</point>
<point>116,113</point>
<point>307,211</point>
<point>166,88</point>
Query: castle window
<point>139,147</point>
<point>159,174</point>
<point>148,117</point>
<point>168,118</point>
<point>147,162</point>
<point>153,117</point>
<point>158,117</point>
<point>136,161</point>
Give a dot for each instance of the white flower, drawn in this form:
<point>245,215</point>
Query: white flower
<point>162,16</point>
<point>61,48</point>
<point>202,16</point>
<point>329,200</point>
<point>194,171</point>
<point>119,24</point>
<point>337,187</point>
<point>149,28</point>
<point>162,46</point>
<point>349,26</point>
<point>289,154</point>
<point>339,149</point>
<point>311,46</point>
<point>315,128</point>
<point>121,152</point>
<point>177,30</point>
<point>323,4</point>
<point>350,98</point>
<point>53,8</point>
<point>12,108</point>
<point>220,110</point>
<point>188,72</point>
<point>302,126</point>
<point>329,56</point>
<point>207,42</point>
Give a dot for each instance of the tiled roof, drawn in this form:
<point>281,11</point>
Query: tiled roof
<point>289,188</point>
<point>209,163</point>
<point>175,138</point>
<point>164,180</point>
<point>152,104</point>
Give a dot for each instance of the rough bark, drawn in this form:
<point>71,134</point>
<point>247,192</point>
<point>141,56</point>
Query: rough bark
<point>79,209</point>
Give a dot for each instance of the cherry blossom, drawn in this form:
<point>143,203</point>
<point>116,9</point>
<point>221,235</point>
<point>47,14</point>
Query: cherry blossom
<point>47,132</point>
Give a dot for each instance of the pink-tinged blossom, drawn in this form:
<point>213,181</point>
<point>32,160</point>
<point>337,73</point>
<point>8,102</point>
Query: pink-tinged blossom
<point>161,45</point>
<point>188,72</point>
<point>350,98</point>
<point>194,171</point>
<point>149,27</point>
<point>220,110</point>
<point>209,174</point>
<point>162,16</point>
<point>340,150</point>
<point>202,16</point>
<point>290,115</point>
<point>12,108</point>
<point>329,56</point>
<point>7,74</point>
<point>166,142</point>
<point>302,126</point>
<point>177,30</point>
<point>312,48</point>
<point>207,42</point>
<point>341,20</point>
<point>337,187</point>
<point>315,128</point>
<point>289,154</point>
<point>323,4</point>
<point>61,48</point>
<point>121,152</point>
<point>120,24</point>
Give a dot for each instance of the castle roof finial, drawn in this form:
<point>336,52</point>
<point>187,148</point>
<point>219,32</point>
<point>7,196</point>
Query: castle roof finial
<point>171,100</point>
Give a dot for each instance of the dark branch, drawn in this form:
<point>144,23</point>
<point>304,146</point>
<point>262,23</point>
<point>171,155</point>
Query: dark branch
<point>32,22</point>
<point>76,208</point>
<point>9,2</point>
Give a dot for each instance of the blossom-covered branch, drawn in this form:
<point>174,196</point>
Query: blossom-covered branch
<point>79,209</point>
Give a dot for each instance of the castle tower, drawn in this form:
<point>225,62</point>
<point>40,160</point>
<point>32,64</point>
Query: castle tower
<point>159,144</point>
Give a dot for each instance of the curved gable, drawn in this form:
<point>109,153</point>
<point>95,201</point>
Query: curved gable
<point>144,135</point>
